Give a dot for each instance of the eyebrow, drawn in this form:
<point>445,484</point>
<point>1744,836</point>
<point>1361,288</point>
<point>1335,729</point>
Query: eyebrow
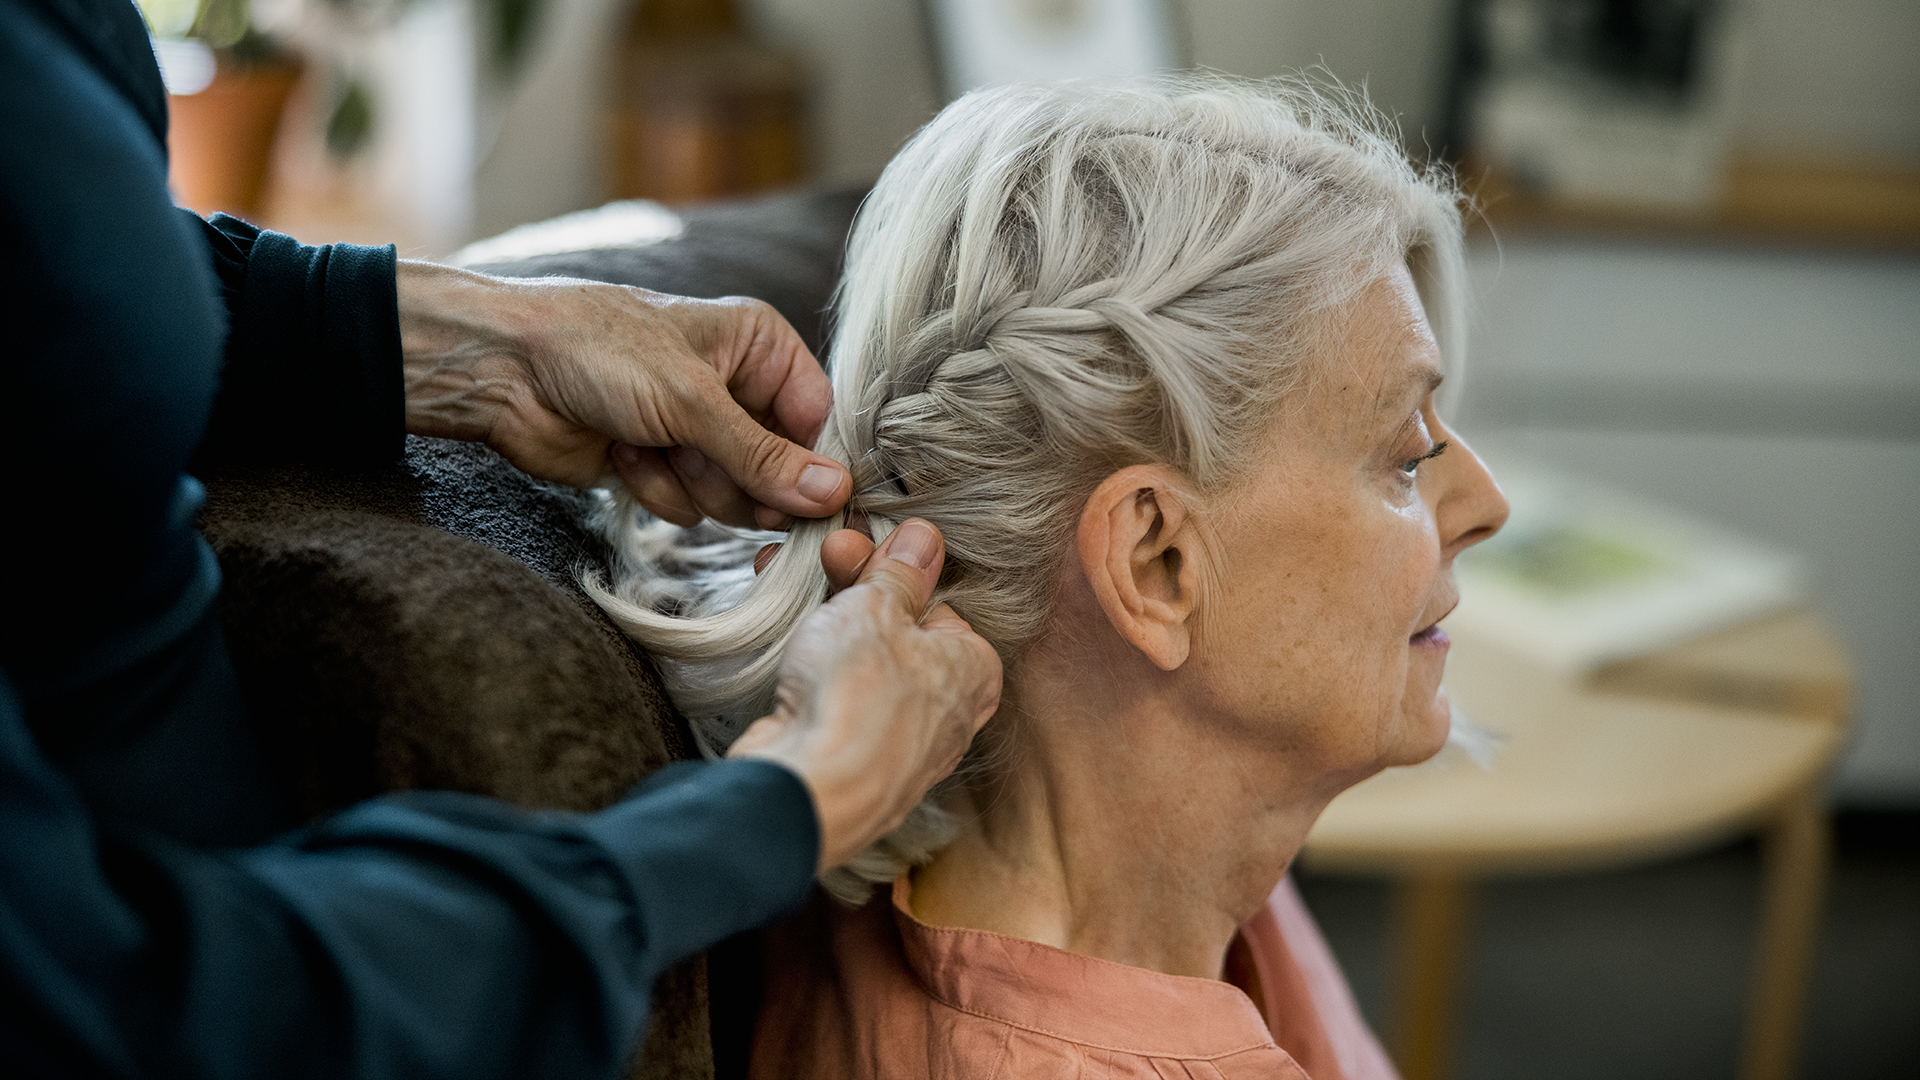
<point>1426,377</point>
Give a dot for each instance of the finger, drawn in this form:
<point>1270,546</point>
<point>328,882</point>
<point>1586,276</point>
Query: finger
<point>770,519</point>
<point>713,494</point>
<point>991,685</point>
<point>775,383</point>
<point>647,475</point>
<point>906,566</point>
<point>773,375</point>
<point>974,664</point>
<point>843,554</point>
<point>774,471</point>
<point>763,557</point>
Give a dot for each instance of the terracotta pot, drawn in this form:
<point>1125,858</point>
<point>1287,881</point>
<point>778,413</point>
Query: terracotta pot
<point>220,140</point>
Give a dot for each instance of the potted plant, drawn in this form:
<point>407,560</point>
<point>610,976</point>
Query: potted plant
<point>227,85</point>
<point>228,81</point>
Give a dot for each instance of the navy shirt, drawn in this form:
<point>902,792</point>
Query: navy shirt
<point>155,916</point>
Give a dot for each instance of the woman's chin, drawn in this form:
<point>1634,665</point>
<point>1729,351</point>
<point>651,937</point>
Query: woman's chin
<point>1426,734</point>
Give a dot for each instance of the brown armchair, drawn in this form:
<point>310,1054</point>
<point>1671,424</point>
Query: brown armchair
<point>421,626</point>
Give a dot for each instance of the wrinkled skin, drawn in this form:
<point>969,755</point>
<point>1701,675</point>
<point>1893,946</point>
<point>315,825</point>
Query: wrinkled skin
<point>1220,667</point>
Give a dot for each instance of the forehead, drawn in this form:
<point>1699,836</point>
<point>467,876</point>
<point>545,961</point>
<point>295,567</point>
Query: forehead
<point>1377,354</point>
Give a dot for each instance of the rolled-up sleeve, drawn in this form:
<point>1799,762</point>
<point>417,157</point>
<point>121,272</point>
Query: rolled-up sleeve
<point>313,364</point>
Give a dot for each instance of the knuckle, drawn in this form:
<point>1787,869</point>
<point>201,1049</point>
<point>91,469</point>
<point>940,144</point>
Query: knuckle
<point>884,591</point>
<point>703,390</point>
<point>747,308</point>
<point>765,454</point>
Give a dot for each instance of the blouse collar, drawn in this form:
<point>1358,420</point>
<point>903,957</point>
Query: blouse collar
<point>1080,999</point>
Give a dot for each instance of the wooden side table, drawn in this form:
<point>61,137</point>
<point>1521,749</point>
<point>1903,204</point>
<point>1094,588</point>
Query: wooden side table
<point>1729,734</point>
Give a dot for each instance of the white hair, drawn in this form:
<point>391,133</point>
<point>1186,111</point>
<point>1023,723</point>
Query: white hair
<point>1050,283</point>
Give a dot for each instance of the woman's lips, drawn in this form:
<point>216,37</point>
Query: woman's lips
<point>1433,636</point>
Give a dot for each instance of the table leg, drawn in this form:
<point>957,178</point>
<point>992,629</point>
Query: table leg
<point>1430,929</point>
<point>1795,854</point>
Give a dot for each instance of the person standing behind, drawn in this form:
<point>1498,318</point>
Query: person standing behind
<point>155,917</point>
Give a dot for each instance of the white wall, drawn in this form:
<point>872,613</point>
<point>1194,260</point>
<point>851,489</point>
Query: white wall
<point>1399,48</point>
<point>874,84</point>
<point>877,83</point>
<point>1840,75</point>
<point>544,157</point>
<point>1776,393</point>
<point>1824,74</point>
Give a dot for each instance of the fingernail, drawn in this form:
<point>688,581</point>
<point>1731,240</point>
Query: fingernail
<point>764,557</point>
<point>913,544</point>
<point>626,454</point>
<point>691,463</point>
<point>819,482</point>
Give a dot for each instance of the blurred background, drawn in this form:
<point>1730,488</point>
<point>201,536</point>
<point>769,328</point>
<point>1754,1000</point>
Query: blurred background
<point>1696,267</point>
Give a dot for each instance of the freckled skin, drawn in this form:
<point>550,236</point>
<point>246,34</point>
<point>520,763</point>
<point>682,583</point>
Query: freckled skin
<point>1336,560</point>
<point>1223,668</point>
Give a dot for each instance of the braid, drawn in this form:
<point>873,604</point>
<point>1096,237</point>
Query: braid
<point>1048,284</point>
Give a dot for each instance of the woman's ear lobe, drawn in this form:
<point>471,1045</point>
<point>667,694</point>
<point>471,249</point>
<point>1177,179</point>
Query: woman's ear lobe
<point>1133,537</point>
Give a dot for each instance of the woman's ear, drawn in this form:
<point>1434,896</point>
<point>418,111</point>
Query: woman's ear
<point>1136,549</point>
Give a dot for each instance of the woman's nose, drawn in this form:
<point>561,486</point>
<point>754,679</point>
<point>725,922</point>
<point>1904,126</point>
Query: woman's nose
<point>1471,506</point>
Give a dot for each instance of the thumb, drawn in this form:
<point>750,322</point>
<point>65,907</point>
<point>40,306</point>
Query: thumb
<point>907,566</point>
<point>774,471</point>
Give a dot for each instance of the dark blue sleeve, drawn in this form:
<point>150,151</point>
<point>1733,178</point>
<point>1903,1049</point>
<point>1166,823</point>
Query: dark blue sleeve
<point>313,366</point>
<point>120,362</point>
<point>114,344</point>
<point>428,935</point>
<point>147,926</point>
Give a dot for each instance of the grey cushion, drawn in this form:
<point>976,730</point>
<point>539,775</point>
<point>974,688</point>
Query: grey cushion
<point>785,249</point>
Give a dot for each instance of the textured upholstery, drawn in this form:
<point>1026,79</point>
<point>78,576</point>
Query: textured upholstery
<point>420,626</point>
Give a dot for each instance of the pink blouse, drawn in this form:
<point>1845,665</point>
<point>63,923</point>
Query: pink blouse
<point>875,993</point>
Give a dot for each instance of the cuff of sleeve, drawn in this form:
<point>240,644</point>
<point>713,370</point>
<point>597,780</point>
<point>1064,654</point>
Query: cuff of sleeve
<point>315,353</point>
<point>713,848</point>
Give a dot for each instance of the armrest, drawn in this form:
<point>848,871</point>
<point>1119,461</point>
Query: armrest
<point>420,627</point>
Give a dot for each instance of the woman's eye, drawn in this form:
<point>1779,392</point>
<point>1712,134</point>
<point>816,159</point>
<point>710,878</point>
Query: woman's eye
<point>1411,466</point>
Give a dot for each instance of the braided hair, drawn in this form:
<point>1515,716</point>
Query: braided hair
<point>1050,283</point>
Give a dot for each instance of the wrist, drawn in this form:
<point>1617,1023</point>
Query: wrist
<point>463,349</point>
<point>847,812</point>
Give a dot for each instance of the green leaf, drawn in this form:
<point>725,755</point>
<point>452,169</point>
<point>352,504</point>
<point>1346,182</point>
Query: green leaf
<point>222,22</point>
<point>350,128</point>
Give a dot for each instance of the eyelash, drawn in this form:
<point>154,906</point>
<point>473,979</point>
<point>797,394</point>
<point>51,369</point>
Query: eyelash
<point>1411,466</point>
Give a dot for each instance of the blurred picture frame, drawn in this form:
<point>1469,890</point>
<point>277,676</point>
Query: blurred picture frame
<point>1625,103</point>
<point>975,43</point>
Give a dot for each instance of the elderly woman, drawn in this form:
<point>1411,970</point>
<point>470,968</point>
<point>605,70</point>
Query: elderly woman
<point>1160,361</point>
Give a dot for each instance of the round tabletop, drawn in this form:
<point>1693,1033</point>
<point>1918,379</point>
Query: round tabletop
<point>1638,760</point>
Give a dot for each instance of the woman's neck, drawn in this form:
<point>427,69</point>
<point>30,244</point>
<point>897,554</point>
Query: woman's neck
<point>1121,825</point>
